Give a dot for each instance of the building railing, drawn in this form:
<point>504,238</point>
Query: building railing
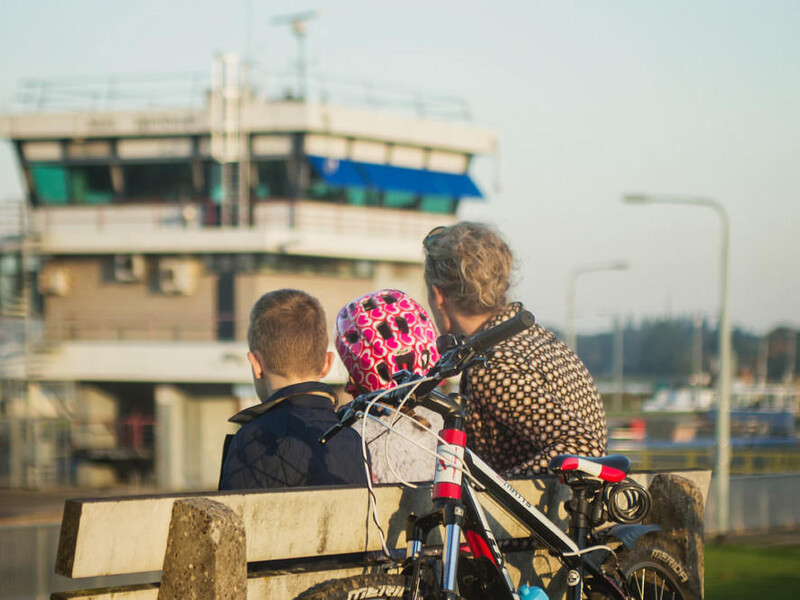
<point>103,328</point>
<point>303,216</point>
<point>12,221</point>
<point>336,219</point>
<point>189,90</point>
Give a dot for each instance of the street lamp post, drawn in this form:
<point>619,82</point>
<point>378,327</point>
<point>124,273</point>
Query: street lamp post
<point>723,432</point>
<point>605,266</point>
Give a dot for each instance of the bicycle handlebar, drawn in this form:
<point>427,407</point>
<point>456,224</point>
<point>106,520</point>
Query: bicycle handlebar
<point>450,363</point>
<point>481,342</point>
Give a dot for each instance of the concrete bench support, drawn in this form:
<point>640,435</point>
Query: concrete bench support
<point>205,555</point>
<point>678,506</point>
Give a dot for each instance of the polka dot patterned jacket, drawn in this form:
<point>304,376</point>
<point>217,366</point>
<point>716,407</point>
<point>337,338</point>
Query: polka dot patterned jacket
<point>533,400</point>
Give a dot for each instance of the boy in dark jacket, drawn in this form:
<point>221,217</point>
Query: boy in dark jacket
<point>278,444</point>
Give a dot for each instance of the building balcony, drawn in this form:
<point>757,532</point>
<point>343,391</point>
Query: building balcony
<point>177,361</point>
<point>304,228</point>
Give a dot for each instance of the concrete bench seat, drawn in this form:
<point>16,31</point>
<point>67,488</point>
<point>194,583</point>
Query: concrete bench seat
<point>275,544</point>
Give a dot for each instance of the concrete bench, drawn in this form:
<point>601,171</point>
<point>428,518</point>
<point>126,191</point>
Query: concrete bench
<point>276,544</point>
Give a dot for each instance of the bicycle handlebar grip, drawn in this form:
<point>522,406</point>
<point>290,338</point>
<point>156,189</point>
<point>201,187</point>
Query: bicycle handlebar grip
<point>484,340</point>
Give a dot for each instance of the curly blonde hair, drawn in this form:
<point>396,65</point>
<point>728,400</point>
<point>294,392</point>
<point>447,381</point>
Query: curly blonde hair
<point>471,265</point>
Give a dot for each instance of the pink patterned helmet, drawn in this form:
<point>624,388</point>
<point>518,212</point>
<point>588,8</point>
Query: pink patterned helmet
<point>381,333</point>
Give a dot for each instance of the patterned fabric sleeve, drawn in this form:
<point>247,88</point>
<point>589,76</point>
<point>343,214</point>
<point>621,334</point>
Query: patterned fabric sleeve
<point>533,400</point>
<point>514,405</point>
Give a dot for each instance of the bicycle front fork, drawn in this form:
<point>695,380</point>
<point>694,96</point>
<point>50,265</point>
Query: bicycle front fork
<point>451,516</point>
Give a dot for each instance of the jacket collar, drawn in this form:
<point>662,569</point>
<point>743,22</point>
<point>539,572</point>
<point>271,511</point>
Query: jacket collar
<point>312,388</point>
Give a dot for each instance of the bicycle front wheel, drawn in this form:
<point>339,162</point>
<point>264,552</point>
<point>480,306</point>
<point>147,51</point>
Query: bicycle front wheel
<point>374,586</point>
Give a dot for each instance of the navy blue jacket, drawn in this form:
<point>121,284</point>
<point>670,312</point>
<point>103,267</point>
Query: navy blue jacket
<point>278,446</point>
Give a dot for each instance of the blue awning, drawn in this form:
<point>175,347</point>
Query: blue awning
<point>460,185</point>
<point>390,178</point>
<point>337,172</point>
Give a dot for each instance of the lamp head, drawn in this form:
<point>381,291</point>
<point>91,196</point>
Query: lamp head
<point>637,199</point>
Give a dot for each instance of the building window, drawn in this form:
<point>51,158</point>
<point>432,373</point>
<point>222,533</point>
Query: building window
<point>158,181</point>
<point>50,184</point>
<point>91,184</point>
<point>273,179</point>
<point>55,185</point>
<point>438,204</point>
<point>392,199</point>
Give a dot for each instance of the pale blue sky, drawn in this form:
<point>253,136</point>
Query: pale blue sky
<point>590,100</point>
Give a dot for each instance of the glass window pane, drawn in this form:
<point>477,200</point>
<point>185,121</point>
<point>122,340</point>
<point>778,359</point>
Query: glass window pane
<point>160,181</point>
<point>438,204</point>
<point>273,179</point>
<point>356,196</point>
<point>50,184</point>
<point>399,199</point>
<point>91,185</point>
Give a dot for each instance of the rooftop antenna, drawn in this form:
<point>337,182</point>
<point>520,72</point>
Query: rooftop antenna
<point>298,23</point>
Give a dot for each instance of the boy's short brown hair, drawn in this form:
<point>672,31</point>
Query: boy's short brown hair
<point>288,330</point>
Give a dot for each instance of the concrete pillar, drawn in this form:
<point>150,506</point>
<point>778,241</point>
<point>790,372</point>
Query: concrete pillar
<point>170,434</point>
<point>207,440</point>
<point>205,556</point>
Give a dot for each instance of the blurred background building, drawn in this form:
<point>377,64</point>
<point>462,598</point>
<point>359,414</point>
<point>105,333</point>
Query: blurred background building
<point>129,270</point>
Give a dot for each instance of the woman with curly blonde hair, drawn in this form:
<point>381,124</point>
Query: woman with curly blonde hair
<point>534,398</point>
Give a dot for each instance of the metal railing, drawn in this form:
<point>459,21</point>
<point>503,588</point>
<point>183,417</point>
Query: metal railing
<point>163,329</point>
<point>13,221</point>
<point>766,502</point>
<point>743,461</point>
<point>27,561</point>
<point>35,452</point>
<point>328,218</point>
<point>189,90</point>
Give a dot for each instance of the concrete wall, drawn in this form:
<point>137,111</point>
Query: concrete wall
<point>332,291</point>
<point>96,307</point>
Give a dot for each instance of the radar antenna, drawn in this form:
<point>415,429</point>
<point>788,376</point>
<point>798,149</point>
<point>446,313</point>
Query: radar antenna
<point>299,23</point>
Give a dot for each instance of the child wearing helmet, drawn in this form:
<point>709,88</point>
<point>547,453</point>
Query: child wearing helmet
<point>376,336</point>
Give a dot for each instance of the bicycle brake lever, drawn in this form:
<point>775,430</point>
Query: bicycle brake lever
<point>330,433</point>
<point>347,417</point>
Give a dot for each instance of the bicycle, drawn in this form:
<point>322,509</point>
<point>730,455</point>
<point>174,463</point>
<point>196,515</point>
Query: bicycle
<point>601,492</point>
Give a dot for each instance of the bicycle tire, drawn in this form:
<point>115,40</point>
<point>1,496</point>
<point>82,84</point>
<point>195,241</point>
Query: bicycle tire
<point>373,586</point>
<point>654,573</point>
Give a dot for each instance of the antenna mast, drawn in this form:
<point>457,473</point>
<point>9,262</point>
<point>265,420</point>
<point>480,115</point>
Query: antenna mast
<point>299,23</point>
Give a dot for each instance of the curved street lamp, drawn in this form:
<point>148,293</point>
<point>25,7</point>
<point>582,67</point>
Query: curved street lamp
<point>723,431</point>
<point>618,265</point>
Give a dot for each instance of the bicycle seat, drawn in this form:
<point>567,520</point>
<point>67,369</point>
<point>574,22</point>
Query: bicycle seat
<point>613,467</point>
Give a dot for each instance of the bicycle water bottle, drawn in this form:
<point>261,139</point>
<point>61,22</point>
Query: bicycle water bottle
<point>531,592</point>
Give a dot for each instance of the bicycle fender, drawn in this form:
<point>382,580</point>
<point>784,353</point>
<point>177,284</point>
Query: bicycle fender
<point>630,534</point>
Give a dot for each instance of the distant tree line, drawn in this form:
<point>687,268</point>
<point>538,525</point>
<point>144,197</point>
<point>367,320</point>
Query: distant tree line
<point>666,349</point>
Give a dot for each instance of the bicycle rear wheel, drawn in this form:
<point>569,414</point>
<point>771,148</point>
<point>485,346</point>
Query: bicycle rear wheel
<point>649,581</point>
<point>654,573</point>
<point>374,586</point>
